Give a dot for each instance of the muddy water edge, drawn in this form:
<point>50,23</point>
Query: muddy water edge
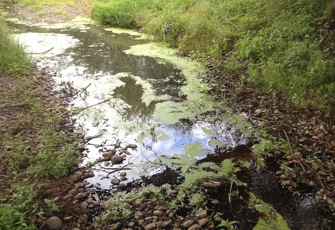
<point>148,123</point>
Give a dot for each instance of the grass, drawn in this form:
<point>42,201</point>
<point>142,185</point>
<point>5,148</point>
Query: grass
<point>12,57</point>
<point>34,147</point>
<point>281,46</point>
<point>40,4</point>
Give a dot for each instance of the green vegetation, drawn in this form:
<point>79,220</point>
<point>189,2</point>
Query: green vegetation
<point>281,46</point>
<point>12,57</point>
<point>33,146</point>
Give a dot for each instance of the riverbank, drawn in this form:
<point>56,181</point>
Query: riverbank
<point>283,121</point>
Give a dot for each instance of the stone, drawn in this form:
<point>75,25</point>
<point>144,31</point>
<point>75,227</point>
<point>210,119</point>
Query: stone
<point>187,223</point>
<point>202,222</point>
<point>122,186</point>
<point>107,155</point>
<point>123,174</point>
<point>165,224</point>
<point>132,146</point>
<point>257,112</point>
<point>202,214</point>
<point>138,215</point>
<point>158,213</point>
<point>194,227</point>
<point>131,224</point>
<point>74,178</point>
<point>73,192</point>
<point>53,191</point>
<point>115,181</point>
<point>150,226</point>
<point>54,223</point>
<point>80,196</point>
<point>117,159</point>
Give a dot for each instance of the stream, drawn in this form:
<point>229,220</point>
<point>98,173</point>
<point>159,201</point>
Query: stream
<point>142,102</point>
<point>130,91</point>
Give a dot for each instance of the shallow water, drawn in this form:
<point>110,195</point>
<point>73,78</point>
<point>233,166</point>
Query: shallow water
<point>130,91</point>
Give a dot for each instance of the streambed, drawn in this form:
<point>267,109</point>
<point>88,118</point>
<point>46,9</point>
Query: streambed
<point>138,98</point>
<point>129,90</point>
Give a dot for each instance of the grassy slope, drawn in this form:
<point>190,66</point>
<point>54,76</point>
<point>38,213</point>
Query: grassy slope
<point>279,45</point>
<point>33,146</point>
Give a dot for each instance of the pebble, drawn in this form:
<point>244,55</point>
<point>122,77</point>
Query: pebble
<point>202,222</point>
<point>165,224</point>
<point>117,159</point>
<point>202,214</point>
<point>257,112</point>
<point>194,227</point>
<point>115,181</point>
<point>215,202</point>
<point>54,223</point>
<point>80,196</point>
<point>121,186</point>
<point>123,174</point>
<point>74,178</point>
<point>138,215</point>
<point>150,226</point>
<point>187,223</point>
<point>131,224</point>
<point>158,213</point>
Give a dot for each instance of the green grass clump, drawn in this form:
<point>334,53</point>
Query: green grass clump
<point>120,13</point>
<point>12,56</point>
<point>283,46</point>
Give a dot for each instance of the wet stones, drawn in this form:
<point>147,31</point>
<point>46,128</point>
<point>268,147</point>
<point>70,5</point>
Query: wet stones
<point>117,159</point>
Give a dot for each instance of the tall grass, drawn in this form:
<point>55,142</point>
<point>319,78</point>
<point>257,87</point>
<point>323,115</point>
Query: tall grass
<point>282,45</point>
<point>12,56</point>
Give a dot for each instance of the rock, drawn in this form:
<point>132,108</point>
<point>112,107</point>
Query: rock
<point>150,226</point>
<point>67,197</point>
<point>123,174</point>
<point>137,203</point>
<point>74,178</point>
<point>215,202</point>
<point>53,191</point>
<point>73,192</point>
<point>217,218</point>
<point>108,155</point>
<point>202,222</point>
<point>194,227</point>
<point>122,186</point>
<point>202,214</point>
<point>257,112</point>
<point>138,215</point>
<point>165,224</point>
<point>187,223</point>
<point>132,146</point>
<point>84,205</point>
<point>117,159</point>
<point>80,196</point>
<point>54,223</point>
<point>115,181</point>
<point>158,213</point>
<point>131,224</point>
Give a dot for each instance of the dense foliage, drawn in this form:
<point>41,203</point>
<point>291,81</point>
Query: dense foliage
<point>282,46</point>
